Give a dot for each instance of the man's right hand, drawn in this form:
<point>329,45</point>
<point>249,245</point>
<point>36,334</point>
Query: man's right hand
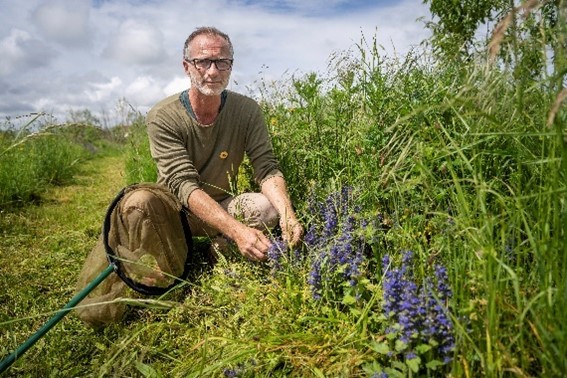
<point>252,243</point>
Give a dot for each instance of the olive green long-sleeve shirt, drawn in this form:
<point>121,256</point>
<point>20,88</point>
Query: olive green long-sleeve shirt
<point>191,156</point>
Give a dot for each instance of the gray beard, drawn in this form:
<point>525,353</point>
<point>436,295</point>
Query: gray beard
<point>208,91</point>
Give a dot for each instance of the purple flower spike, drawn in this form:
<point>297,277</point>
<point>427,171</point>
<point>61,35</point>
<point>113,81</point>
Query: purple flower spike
<point>336,247</point>
<point>418,314</point>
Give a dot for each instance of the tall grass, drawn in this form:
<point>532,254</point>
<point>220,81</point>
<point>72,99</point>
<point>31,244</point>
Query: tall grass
<point>441,161</point>
<point>37,154</point>
<point>139,165</point>
<point>466,176</point>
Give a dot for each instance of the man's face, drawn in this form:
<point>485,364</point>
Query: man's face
<point>209,81</point>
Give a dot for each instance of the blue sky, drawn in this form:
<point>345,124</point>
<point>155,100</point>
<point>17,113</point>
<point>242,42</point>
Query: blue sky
<point>62,55</point>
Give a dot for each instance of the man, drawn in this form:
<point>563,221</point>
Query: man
<point>198,139</point>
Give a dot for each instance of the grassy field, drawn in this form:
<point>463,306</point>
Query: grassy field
<point>434,196</point>
<point>42,249</point>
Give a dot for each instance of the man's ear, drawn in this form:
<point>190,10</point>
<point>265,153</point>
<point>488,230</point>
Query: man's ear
<point>185,66</point>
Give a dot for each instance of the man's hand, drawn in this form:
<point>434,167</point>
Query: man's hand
<point>276,190</point>
<point>252,243</point>
<point>292,230</point>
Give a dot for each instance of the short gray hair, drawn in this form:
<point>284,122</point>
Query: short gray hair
<point>209,30</point>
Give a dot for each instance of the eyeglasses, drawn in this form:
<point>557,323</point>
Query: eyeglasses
<point>205,64</point>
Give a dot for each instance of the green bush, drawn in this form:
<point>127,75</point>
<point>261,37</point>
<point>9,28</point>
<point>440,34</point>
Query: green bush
<point>29,165</point>
<point>38,154</point>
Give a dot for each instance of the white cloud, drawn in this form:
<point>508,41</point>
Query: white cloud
<point>134,47</point>
<point>20,51</point>
<point>178,84</point>
<point>64,21</point>
<point>137,42</point>
<point>97,92</point>
<point>144,91</point>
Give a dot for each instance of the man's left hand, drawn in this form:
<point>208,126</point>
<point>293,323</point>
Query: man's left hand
<point>292,231</point>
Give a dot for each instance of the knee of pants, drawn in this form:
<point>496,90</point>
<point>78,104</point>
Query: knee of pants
<point>148,224</point>
<point>141,204</point>
<point>256,211</point>
<point>268,213</point>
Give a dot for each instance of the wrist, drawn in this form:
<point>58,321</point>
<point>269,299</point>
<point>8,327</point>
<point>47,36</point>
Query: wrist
<point>233,230</point>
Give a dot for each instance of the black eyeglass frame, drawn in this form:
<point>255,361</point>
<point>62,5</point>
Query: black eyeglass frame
<point>194,62</point>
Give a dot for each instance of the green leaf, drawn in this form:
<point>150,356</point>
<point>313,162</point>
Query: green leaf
<point>349,300</point>
<point>318,373</point>
<point>381,348</point>
<point>146,370</point>
<point>414,364</point>
<point>399,366</point>
<point>400,345</point>
<point>371,368</point>
<point>355,312</point>
<point>433,365</point>
<point>391,336</point>
<point>100,346</point>
<point>423,348</point>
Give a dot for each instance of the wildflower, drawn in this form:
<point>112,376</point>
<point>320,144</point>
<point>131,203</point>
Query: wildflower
<point>230,373</point>
<point>418,314</point>
<point>314,279</point>
<point>440,326</point>
<point>401,299</point>
<point>331,220</point>
<point>276,252</point>
<point>392,292</point>
<point>310,237</point>
<point>379,375</point>
<point>410,355</point>
<point>442,287</point>
<point>338,253</point>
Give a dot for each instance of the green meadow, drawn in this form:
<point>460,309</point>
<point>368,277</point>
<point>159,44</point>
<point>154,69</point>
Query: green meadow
<point>433,192</point>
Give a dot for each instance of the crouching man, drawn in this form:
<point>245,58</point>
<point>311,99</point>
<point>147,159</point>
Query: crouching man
<point>198,139</point>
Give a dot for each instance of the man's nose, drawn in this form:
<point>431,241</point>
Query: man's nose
<point>213,67</point>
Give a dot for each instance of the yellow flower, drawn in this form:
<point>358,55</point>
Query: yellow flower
<point>223,155</point>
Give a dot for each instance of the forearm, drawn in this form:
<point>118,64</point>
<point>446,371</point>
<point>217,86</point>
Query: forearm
<point>252,243</point>
<point>275,189</point>
<point>210,212</point>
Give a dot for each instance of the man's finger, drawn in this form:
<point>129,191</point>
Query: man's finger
<point>258,254</point>
<point>293,235</point>
<point>264,240</point>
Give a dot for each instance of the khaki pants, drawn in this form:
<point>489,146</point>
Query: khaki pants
<point>147,221</point>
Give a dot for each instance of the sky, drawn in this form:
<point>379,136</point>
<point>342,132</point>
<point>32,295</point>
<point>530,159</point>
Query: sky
<point>58,56</point>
